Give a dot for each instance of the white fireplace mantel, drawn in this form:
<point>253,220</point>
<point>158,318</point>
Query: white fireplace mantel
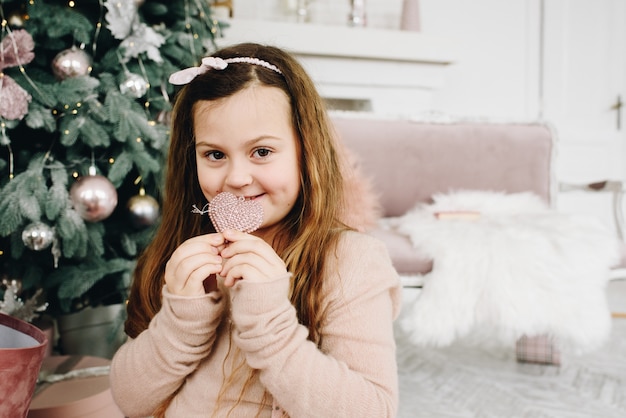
<point>385,71</point>
<point>341,41</point>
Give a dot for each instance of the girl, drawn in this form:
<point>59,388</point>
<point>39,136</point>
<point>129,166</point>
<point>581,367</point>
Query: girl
<point>294,319</point>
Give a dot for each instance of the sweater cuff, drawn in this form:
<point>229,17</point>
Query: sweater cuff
<point>256,298</point>
<point>266,323</point>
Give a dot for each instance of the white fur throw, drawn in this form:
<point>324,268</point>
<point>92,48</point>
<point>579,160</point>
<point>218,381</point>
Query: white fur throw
<point>521,268</point>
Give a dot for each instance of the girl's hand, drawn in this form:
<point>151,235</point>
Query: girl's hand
<point>192,263</point>
<point>249,258</point>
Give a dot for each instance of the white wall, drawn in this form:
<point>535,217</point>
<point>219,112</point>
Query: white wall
<point>495,74</point>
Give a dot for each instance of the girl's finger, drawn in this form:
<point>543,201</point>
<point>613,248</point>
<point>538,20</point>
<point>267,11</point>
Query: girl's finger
<point>238,272</point>
<point>189,266</point>
<point>252,245</point>
<point>194,285</point>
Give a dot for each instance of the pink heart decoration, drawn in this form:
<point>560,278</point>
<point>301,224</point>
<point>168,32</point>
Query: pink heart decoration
<point>228,211</point>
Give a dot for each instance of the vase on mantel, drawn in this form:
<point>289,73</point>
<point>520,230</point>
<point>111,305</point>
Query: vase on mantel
<point>357,15</point>
<point>410,18</point>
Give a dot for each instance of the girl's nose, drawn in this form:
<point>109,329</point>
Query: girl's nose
<point>238,176</point>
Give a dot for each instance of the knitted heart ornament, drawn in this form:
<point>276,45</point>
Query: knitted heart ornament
<point>228,211</point>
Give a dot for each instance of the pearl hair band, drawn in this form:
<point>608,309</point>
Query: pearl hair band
<point>215,63</point>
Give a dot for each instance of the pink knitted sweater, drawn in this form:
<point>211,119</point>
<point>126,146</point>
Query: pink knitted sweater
<point>192,345</point>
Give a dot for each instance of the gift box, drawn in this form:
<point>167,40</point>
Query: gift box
<point>540,349</point>
<point>22,349</point>
<point>73,387</point>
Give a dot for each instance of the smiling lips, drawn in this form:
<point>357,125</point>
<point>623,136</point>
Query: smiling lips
<point>228,211</point>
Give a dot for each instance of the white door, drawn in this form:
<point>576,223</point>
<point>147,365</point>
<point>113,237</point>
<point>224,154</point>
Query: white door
<point>583,82</point>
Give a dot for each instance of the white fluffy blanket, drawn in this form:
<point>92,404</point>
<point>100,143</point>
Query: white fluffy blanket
<point>520,268</point>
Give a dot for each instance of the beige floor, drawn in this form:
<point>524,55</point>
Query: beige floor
<point>461,381</point>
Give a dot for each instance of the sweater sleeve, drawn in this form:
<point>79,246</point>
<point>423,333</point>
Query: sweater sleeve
<point>354,372</point>
<point>147,370</point>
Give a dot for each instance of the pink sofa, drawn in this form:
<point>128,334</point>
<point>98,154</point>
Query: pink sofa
<point>408,162</point>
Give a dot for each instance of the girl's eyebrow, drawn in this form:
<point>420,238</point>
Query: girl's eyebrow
<point>260,139</point>
<point>248,143</point>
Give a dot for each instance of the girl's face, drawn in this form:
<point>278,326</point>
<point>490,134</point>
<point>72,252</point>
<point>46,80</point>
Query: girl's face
<point>246,145</point>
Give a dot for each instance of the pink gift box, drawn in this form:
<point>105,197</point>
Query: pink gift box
<point>84,397</point>
<point>539,349</point>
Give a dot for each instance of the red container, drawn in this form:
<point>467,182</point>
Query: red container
<point>22,349</point>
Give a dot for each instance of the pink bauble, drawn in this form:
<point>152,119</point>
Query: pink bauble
<point>72,62</point>
<point>93,197</point>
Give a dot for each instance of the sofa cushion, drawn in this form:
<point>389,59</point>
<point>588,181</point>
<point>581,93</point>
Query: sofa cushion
<point>405,258</point>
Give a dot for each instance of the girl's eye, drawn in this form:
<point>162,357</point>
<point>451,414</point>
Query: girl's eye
<point>214,155</point>
<point>262,152</point>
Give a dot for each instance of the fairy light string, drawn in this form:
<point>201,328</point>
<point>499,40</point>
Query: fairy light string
<point>144,73</point>
<point>192,35</point>
<point>4,139</point>
<point>96,35</point>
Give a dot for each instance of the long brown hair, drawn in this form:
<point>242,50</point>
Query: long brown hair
<point>308,233</point>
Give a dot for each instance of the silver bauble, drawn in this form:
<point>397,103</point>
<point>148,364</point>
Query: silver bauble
<point>143,210</point>
<point>38,236</point>
<point>94,197</point>
<point>72,62</point>
<point>134,85</point>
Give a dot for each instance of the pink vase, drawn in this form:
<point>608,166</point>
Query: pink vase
<point>22,348</point>
<point>410,19</point>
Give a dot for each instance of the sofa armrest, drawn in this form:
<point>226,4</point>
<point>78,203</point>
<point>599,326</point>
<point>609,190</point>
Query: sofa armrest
<point>616,187</point>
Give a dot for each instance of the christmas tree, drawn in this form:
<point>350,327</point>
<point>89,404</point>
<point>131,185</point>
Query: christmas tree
<point>84,107</point>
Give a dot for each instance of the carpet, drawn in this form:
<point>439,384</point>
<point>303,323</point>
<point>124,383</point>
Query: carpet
<point>466,380</point>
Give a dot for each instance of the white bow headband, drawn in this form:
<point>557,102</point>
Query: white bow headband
<point>215,63</point>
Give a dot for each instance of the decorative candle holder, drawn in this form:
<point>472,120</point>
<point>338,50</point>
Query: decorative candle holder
<point>357,16</point>
<point>302,11</point>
